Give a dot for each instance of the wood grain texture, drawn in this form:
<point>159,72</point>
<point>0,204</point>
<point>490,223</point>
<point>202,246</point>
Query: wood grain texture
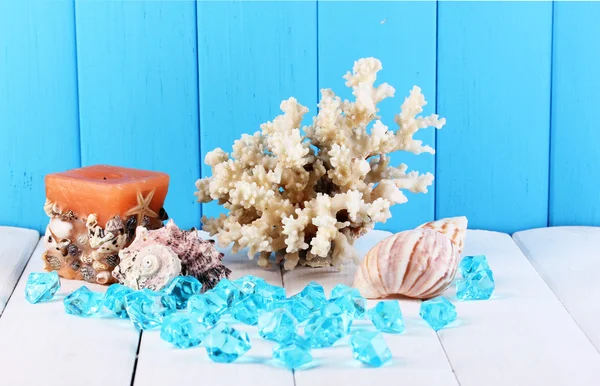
<point>42,345</point>
<point>386,30</point>
<point>17,246</point>
<point>161,363</point>
<point>522,335</point>
<point>39,131</point>
<point>138,92</point>
<point>567,258</point>
<point>574,169</point>
<point>418,357</point>
<point>494,88</point>
<point>252,55</point>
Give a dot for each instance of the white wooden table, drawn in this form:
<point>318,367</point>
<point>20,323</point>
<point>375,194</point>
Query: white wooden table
<point>541,327</point>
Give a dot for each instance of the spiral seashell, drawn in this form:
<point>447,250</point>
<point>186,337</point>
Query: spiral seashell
<point>419,263</point>
<point>455,228</point>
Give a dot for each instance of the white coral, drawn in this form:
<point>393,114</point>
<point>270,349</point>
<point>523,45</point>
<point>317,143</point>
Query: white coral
<point>308,197</point>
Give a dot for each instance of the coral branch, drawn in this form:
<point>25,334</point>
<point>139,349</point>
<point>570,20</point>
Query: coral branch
<point>306,198</point>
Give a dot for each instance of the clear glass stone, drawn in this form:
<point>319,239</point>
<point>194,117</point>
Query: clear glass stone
<point>472,264</point>
<point>370,348</point>
<point>41,286</point>
<point>209,306</point>
<point>83,302</point>
<point>477,286</point>
<point>324,331</point>
<point>183,330</point>
<point>293,354</point>
<point>225,344</point>
<point>278,325</point>
<point>387,316</point>
<point>147,309</point>
<point>438,312</point>
<point>114,299</point>
<point>182,288</point>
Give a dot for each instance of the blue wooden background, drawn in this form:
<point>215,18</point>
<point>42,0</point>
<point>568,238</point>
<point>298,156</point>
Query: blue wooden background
<point>157,84</point>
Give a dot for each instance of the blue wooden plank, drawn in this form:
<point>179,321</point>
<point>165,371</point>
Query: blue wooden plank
<point>252,55</point>
<point>575,166</point>
<point>138,92</point>
<point>403,36</point>
<point>38,105</point>
<point>494,88</point>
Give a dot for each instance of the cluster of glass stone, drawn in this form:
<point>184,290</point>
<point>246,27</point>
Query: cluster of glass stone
<point>296,324</point>
<point>477,281</point>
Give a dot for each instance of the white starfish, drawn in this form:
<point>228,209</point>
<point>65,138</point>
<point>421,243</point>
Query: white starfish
<point>142,208</point>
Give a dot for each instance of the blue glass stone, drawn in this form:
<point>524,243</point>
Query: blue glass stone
<point>114,299</point>
<point>477,286</point>
<point>209,306</point>
<point>300,310</point>
<point>387,317</point>
<point>83,302</point>
<point>350,301</point>
<point>438,312</point>
<point>472,264</point>
<point>370,348</point>
<point>343,290</point>
<point>225,344</point>
<point>267,296</point>
<point>41,286</point>
<point>247,284</point>
<point>183,330</point>
<point>147,309</point>
<point>293,354</point>
<point>278,325</point>
<point>182,288</point>
<point>227,291</point>
<point>311,299</point>
<point>245,310</point>
<point>335,308</point>
<point>324,331</point>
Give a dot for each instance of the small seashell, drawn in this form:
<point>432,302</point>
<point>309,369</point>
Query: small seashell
<point>152,266</point>
<point>419,263</point>
<point>195,257</point>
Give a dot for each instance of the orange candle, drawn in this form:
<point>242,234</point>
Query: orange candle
<point>93,215</point>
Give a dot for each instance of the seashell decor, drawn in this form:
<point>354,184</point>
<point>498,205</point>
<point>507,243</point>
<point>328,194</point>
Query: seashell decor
<point>155,257</point>
<point>418,263</point>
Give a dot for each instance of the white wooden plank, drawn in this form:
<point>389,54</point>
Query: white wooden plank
<point>522,335</point>
<point>568,259</point>
<point>161,364</point>
<point>42,345</point>
<point>17,246</point>
<point>418,357</point>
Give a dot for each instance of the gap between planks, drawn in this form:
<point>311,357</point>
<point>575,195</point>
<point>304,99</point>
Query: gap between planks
<point>17,246</point>
<point>567,259</point>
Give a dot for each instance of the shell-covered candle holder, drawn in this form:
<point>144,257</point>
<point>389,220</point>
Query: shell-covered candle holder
<point>94,212</point>
<point>419,263</point>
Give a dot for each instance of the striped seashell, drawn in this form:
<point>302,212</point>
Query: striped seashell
<point>455,228</point>
<point>419,263</point>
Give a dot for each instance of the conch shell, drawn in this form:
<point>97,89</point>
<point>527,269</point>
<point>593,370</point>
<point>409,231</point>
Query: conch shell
<point>155,257</point>
<point>419,263</point>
